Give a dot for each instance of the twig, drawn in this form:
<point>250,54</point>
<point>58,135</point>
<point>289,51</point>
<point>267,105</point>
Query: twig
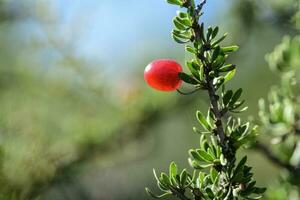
<point>273,158</point>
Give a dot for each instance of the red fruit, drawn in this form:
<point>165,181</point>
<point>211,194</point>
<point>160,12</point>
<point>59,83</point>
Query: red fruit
<point>163,75</point>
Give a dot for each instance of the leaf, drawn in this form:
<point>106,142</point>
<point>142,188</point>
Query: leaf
<point>229,49</point>
<point>219,40</point>
<point>190,49</point>
<point>184,21</point>
<point>175,2</point>
<point>195,155</point>
<point>164,179</point>
<point>215,32</point>
<point>178,40</point>
<point>227,97</point>
<point>240,166</point>
<point>258,190</point>
<point>229,75</point>
<point>204,155</point>
<point>216,53</point>
<point>178,25</point>
<point>202,121</point>
<point>181,35</point>
<point>183,177</point>
<point>226,68</point>
<point>187,78</point>
<point>209,32</point>
<point>173,169</point>
<point>213,174</point>
<point>192,69</point>
<point>236,96</point>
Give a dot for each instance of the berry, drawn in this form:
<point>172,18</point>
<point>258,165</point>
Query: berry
<point>163,75</point>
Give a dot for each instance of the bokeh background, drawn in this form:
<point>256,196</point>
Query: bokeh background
<point>77,120</point>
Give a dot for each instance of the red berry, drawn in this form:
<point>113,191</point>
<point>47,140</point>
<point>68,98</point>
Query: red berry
<point>163,75</point>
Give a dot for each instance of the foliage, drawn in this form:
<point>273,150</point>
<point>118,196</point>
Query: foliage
<point>217,173</point>
<point>279,116</point>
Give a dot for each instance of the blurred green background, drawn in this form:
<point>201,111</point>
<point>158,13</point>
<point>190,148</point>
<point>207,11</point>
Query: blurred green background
<point>77,120</point>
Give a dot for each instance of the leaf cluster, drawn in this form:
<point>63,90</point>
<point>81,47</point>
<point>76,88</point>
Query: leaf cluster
<point>216,173</point>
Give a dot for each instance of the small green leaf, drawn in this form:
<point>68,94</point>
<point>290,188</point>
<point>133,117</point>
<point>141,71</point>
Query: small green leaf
<point>187,78</point>
<point>213,174</point>
<point>178,40</point>
<point>204,155</point>
<point>175,2</point>
<point>185,21</point>
<point>216,53</point>
<point>229,75</point>
<point>195,155</point>
<point>219,40</point>
<point>193,69</point>
<point>215,32</point>
<point>202,121</point>
<point>229,49</point>
<point>164,179</point>
<point>178,25</point>
<point>183,177</point>
<point>173,170</point>
<point>236,96</point>
<point>259,190</point>
<point>240,166</point>
<point>227,97</point>
<point>190,49</point>
<point>226,68</point>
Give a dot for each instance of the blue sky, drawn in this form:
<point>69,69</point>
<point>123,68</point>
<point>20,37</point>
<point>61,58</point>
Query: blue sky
<point>116,32</point>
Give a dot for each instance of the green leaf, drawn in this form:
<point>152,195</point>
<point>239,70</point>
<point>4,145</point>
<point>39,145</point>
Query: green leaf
<point>259,190</point>
<point>184,21</point>
<point>178,25</point>
<point>229,49</point>
<point>182,14</point>
<point>236,96</point>
<point>213,174</point>
<point>226,68</point>
<point>187,78</point>
<point>164,179</point>
<point>219,40</point>
<point>181,35</point>
<point>240,166</point>
<point>183,177</point>
<point>195,155</point>
<point>202,121</point>
<point>173,169</point>
<point>178,40</point>
<point>190,49</point>
<point>229,75</point>
<point>204,155</point>
<point>216,53</point>
<point>209,33</point>
<point>227,97</point>
<point>193,69</point>
<point>175,2</point>
<point>215,32</point>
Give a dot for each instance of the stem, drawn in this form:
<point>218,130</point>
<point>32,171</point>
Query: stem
<point>217,112</point>
<point>273,158</point>
<point>229,155</point>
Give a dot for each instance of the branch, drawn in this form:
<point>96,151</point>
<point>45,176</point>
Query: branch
<point>273,158</point>
<point>210,86</point>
